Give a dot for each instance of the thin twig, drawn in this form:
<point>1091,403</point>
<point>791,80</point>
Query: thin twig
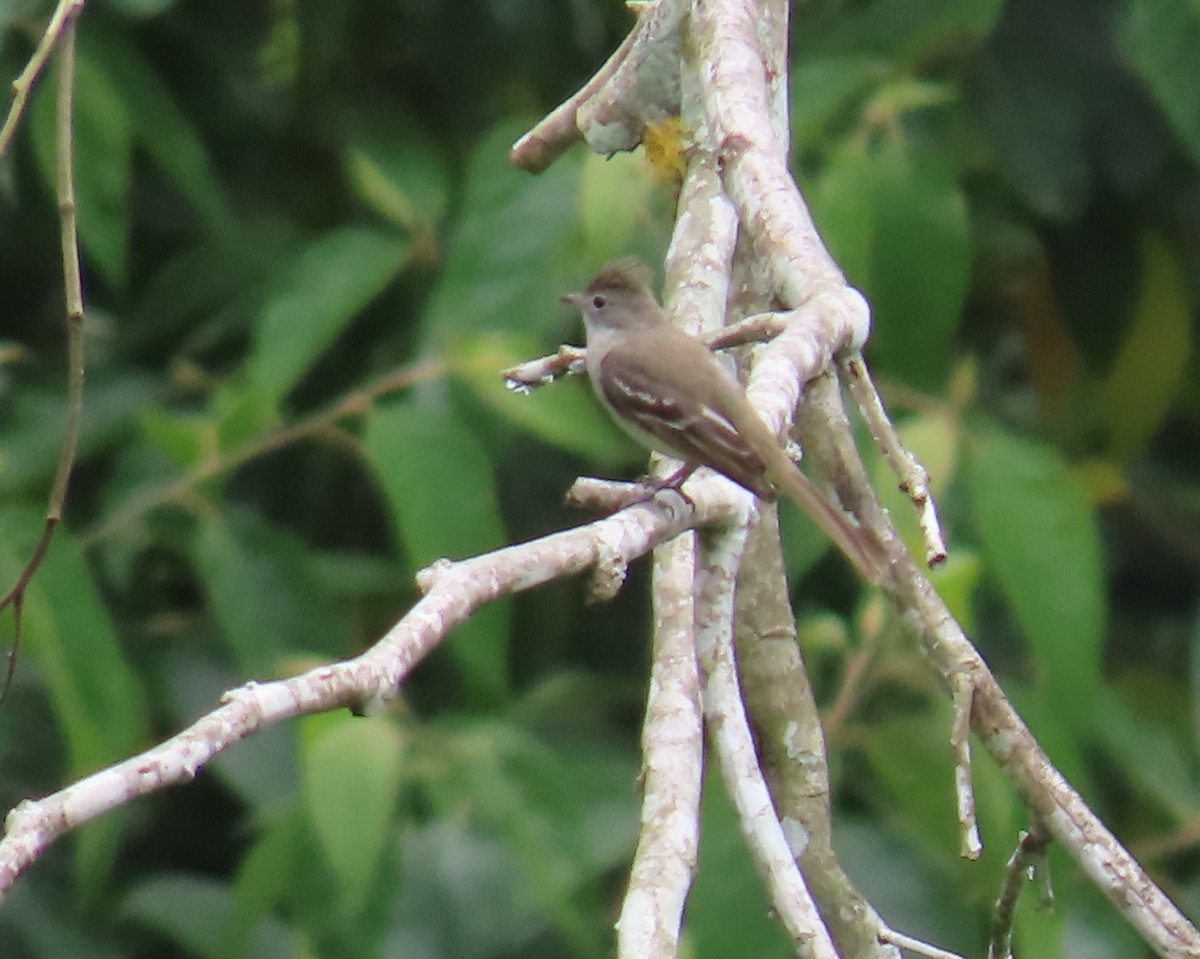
<point>733,742</point>
<point>916,946</point>
<point>547,141</point>
<point>64,13</point>
<point>355,403</point>
<point>453,592</point>
<point>1024,862</point>
<point>914,478</point>
<point>970,845</point>
<point>73,294</point>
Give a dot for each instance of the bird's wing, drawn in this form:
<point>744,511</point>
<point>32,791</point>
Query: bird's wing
<point>644,389</point>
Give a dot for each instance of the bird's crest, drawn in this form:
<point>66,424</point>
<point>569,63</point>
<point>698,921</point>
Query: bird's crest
<point>628,273</point>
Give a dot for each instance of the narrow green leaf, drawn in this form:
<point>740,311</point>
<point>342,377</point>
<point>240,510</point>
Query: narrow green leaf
<point>187,910</point>
<point>614,199</point>
<point>264,597</point>
<point>920,264</point>
<point>567,814</point>
<point>32,437</point>
<point>823,86</point>
<point>98,702</point>
<point>1160,39</point>
<point>316,296</point>
<point>266,878</point>
<point>183,437</point>
<point>1151,757</point>
<point>395,168</point>
<point>896,221</point>
<point>350,783</point>
<point>192,912</point>
<point>517,243</point>
<point>1036,121</point>
<point>1040,537</point>
<point>462,894</point>
<point>909,757</point>
<point>157,121</point>
<point>439,486</point>
<point>1153,359</point>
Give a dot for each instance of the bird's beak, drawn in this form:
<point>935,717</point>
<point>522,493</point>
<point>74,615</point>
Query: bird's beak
<point>573,299</point>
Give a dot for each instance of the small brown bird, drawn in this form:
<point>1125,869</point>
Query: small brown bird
<point>668,391</point>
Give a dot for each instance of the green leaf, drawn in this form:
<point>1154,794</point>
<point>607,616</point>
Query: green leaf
<point>515,245</point>
<point>103,161</point>
<point>1151,758</point>
<point>98,701</point>
<point>440,489</point>
<point>1160,39</point>
<point>909,32</point>
<point>564,414</point>
<point>142,8</point>
<point>614,200</point>
<point>395,168</point>
<point>243,414</point>
<point>1150,367</point>
<point>43,927</point>
<point>728,911</point>
<point>351,775</point>
<point>185,438</point>
<point>1037,126</point>
<point>462,895</point>
<point>902,883</point>
<point>823,87</point>
<point>265,878</point>
<point>843,205</point>
<point>1040,537</point>
<point>911,759</point>
<point>157,120</point>
<point>32,437</point>
<point>567,814</point>
<point>187,910</point>
<point>316,296</point>
<point>192,912</point>
<point>896,221</point>
<point>264,597</point>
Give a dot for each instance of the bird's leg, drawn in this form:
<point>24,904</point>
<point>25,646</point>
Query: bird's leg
<point>673,481</point>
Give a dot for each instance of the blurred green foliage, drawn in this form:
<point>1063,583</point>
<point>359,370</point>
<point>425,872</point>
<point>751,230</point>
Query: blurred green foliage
<point>299,217</point>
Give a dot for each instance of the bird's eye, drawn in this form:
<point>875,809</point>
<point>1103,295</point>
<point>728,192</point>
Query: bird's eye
<point>599,302</point>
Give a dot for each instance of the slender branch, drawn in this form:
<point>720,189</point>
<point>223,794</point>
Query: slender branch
<point>1041,786</point>
<point>914,478</point>
<point>916,946</point>
<point>357,402</point>
<point>64,13</point>
<point>453,591</point>
<point>673,749</point>
<point>72,274</point>
<point>766,836</point>
<point>63,29</point>
<point>970,844</point>
<point>1026,859</point>
<point>639,84</point>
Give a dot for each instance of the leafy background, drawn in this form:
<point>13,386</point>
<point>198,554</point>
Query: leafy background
<point>307,257</point>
